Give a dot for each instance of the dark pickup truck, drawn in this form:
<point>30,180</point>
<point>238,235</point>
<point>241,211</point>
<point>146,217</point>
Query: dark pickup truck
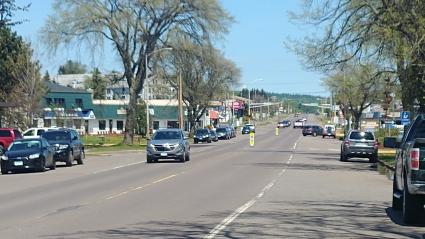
<point>409,175</point>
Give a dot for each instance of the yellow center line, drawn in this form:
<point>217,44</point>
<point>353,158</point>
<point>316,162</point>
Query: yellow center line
<point>141,187</point>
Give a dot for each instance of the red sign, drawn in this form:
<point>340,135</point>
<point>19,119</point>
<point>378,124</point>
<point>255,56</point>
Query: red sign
<point>237,105</point>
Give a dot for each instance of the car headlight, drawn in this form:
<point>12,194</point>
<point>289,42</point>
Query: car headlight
<point>34,156</point>
<point>177,146</point>
<point>151,146</point>
<point>4,157</point>
<point>64,146</point>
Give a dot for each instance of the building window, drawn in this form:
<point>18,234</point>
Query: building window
<point>156,125</point>
<point>120,125</point>
<point>79,103</point>
<point>102,124</point>
<point>48,101</point>
<point>60,102</point>
<point>77,123</point>
<point>47,123</point>
<point>172,124</point>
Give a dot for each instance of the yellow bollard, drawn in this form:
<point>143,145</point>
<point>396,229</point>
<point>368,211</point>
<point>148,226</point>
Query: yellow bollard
<point>251,139</point>
<point>277,131</point>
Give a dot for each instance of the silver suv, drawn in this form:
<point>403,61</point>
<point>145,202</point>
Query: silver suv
<point>359,144</point>
<point>168,144</point>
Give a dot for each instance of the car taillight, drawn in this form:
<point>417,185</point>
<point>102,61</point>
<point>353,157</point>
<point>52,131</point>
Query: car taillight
<point>414,158</point>
<point>347,143</point>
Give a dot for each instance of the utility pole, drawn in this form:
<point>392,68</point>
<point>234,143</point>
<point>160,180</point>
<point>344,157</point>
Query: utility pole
<point>180,99</point>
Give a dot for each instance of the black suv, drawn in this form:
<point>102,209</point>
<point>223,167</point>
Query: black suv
<point>67,145</point>
<point>312,130</point>
<point>202,135</point>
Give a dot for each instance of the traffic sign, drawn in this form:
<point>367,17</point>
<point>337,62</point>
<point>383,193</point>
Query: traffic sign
<point>405,117</point>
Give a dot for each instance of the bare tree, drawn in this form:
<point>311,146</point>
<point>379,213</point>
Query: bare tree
<point>135,28</point>
<point>206,75</point>
<point>356,87</point>
<point>388,32</point>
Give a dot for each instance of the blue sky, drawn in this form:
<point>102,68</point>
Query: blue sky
<point>255,43</point>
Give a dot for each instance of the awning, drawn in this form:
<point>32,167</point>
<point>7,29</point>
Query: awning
<point>213,114</point>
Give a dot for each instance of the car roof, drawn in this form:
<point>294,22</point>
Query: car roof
<point>26,139</point>
<point>170,129</point>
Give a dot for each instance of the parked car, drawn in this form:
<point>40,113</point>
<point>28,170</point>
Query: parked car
<point>313,130</point>
<point>232,132</point>
<point>284,124</point>
<point>32,133</point>
<point>223,133</point>
<point>7,136</point>
<point>329,131</point>
<point>36,154</point>
<point>360,144</point>
<point>202,135</point>
<point>247,129</point>
<point>409,175</point>
<point>213,135</point>
<point>168,144</point>
<point>66,144</point>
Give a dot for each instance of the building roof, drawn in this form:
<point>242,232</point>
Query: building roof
<point>56,88</point>
<point>105,111</point>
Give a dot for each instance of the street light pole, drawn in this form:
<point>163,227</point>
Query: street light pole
<point>147,86</point>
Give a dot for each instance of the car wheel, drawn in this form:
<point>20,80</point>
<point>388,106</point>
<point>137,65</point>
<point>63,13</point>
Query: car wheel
<point>53,166</point>
<point>70,159</point>
<point>187,156</point>
<point>149,160</point>
<point>195,141</point>
<point>80,158</point>
<point>342,157</point>
<point>397,202</point>
<point>209,141</point>
<point>42,167</point>
<point>304,134</point>
<point>373,159</point>
<point>323,136</point>
<point>412,206</point>
<point>4,171</point>
<point>183,158</point>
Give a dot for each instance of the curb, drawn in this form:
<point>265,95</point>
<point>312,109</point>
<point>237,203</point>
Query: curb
<point>386,165</point>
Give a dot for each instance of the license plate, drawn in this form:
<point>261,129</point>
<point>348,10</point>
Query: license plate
<point>164,154</point>
<point>18,163</point>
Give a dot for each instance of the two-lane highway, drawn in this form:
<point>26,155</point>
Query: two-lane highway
<point>285,186</point>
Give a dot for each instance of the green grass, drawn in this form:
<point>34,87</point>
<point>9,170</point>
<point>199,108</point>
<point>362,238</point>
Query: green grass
<point>388,159</point>
<point>99,140</point>
<point>118,147</point>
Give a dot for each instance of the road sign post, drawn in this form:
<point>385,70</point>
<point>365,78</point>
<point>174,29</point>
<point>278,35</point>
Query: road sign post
<point>251,139</point>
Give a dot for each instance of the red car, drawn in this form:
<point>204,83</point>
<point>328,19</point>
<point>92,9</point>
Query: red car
<point>7,136</point>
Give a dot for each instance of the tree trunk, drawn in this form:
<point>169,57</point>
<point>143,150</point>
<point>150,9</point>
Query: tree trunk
<point>357,117</point>
<point>131,117</point>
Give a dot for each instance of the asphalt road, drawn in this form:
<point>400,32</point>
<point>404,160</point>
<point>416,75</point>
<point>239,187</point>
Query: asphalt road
<point>286,186</point>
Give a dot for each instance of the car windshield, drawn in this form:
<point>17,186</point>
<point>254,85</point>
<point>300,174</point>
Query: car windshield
<point>57,135</point>
<point>24,145</point>
<point>161,135</point>
<point>223,130</point>
<point>361,135</point>
<point>201,131</point>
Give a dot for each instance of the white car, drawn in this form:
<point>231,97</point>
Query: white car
<point>32,133</point>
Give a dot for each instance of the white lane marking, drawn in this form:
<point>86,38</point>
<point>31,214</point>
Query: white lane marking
<point>313,149</point>
<point>223,224</point>
<point>295,145</point>
<point>140,187</point>
<point>117,167</point>
<point>336,150</point>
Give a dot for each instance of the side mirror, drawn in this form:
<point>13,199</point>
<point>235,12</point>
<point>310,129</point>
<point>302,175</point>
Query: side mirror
<point>391,142</point>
